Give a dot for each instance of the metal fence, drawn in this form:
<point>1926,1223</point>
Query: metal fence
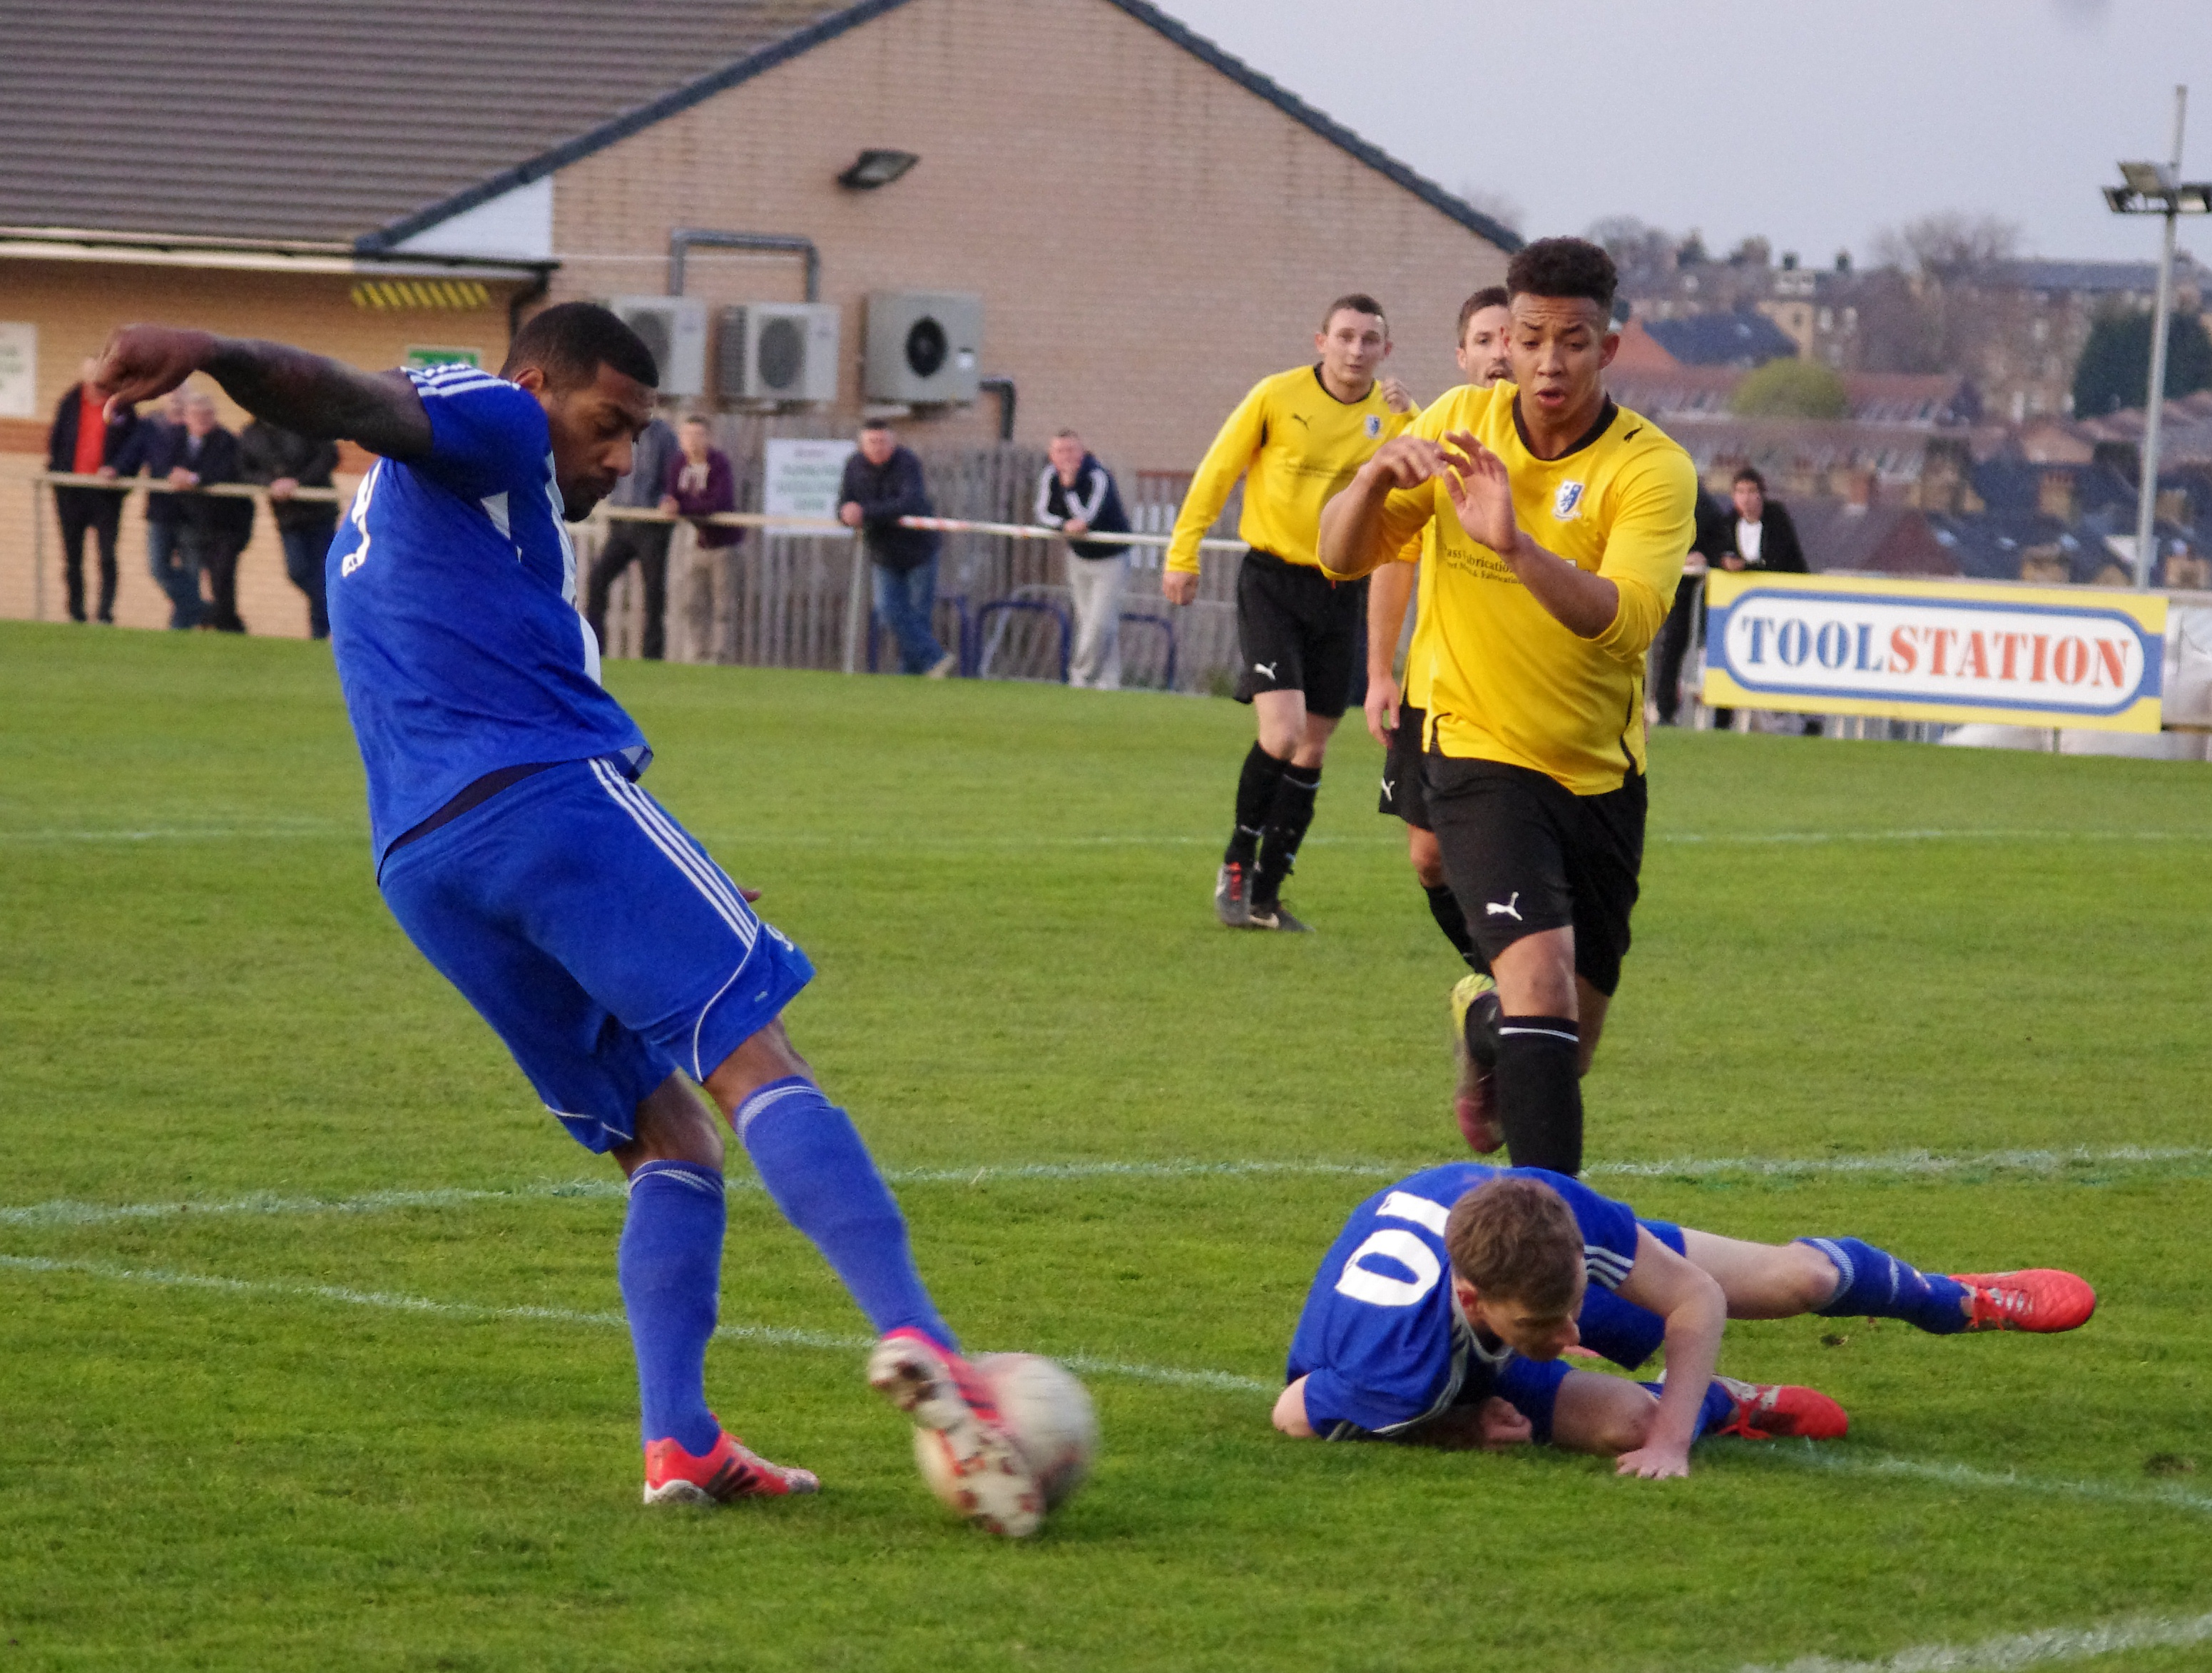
<point>785,600</point>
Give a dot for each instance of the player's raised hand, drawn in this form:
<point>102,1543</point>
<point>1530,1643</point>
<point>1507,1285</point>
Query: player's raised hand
<point>1382,707</point>
<point>1408,461</point>
<point>143,362</point>
<point>1395,395</point>
<point>1482,494</point>
<point>1654,1464</point>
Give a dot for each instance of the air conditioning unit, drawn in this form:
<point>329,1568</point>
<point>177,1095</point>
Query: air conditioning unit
<point>674,329</point>
<point>777,351</point>
<point>923,345</point>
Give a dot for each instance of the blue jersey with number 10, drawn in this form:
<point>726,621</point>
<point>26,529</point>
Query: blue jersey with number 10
<point>452,601</point>
<point>1382,1343</point>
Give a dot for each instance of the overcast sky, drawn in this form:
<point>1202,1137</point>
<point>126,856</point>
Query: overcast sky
<point>1811,122</point>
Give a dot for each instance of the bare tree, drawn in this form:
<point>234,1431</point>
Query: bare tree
<point>1637,248</point>
<point>1949,241</point>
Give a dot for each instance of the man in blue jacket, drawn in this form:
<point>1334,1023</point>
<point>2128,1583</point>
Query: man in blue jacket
<point>154,447</point>
<point>883,484</point>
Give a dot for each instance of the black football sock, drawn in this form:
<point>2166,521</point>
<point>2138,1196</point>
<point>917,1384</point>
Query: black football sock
<point>1255,797</point>
<point>1286,828</point>
<point>1540,1091</point>
<point>1443,907</point>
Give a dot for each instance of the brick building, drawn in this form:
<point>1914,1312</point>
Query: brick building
<point>1149,224</point>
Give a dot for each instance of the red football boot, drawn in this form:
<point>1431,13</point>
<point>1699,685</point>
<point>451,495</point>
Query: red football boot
<point>2041,1299</point>
<point>1764,1410</point>
<point>730,1470</point>
<point>940,1391</point>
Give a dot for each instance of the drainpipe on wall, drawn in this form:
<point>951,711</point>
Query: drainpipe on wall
<point>1004,389</point>
<point>683,239</point>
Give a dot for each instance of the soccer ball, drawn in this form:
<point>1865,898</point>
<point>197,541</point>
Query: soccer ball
<point>1049,1416</point>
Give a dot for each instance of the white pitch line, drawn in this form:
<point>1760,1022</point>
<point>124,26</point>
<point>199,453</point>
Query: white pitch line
<point>1851,1461</point>
<point>907,843</point>
<point>66,1211</point>
<point>2014,1652</point>
<point>1843,1462</point>
<point>772,1335</point>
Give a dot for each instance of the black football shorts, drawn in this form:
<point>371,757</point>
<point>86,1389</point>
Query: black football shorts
<point>1404,795</point>
<point>1299,631</point>
<point>1523,854</point>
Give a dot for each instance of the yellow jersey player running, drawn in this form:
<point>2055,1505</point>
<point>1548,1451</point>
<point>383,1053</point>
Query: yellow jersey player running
<point>1562,520</point>
<point>1398,719</point>
<point>1296,440</point>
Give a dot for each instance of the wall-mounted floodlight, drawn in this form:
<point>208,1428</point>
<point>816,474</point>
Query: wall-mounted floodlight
<point>875,168</point>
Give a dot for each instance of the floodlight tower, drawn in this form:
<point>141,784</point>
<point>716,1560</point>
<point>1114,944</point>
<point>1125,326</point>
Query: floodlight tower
<point>2157,187</point>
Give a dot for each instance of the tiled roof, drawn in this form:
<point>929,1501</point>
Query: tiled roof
<point>362,122</point>
<point>1722,339</point>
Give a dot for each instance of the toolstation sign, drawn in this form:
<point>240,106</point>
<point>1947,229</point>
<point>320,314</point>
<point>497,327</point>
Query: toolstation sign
<point>1935,650</point>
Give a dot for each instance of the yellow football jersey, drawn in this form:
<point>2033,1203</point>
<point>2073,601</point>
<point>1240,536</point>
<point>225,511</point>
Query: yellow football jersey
<point>1295,444</point>
<point>1505,679</point>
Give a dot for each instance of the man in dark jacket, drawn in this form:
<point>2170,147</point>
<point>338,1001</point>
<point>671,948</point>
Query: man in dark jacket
<point>83,443</point>
<point>1076,495</point>
<point>1760,535</point>
<point>212,529</point>
<point>644,544</point>
<point>153,448</point>
<point>883,484</point>
<point>281,461</point>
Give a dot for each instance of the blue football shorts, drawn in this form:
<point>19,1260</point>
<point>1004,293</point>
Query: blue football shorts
<point>603,946</point>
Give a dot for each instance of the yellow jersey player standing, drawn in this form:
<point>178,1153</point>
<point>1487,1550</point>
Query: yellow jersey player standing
<point>1399,718</point>
<point>1296,440</point>
<point>1561,520</point>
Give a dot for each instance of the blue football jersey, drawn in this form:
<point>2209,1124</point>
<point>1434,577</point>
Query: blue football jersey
<point>452,601</point>
<point>1382,1343</point>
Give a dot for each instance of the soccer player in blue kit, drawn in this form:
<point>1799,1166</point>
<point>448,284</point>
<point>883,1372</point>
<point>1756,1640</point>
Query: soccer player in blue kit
<point>1386,1347</point>
<point>618,963</point>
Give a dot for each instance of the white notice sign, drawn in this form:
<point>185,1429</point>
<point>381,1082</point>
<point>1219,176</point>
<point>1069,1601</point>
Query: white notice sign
<point>19,369</point>
<point>801,477</point>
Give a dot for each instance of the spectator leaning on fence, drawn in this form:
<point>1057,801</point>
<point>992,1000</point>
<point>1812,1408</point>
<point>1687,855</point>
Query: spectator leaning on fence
<point>281,461</point>
<point>213,528</point>
<point>85,444</point>
<point>1076,495</point>
<point>1760,535</point>
<point>883,484</point>
<point>644,544</point>
<point>154,447</point>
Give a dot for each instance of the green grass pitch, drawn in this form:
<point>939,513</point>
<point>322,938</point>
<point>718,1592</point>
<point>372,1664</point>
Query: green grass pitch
<point>310,1353</point>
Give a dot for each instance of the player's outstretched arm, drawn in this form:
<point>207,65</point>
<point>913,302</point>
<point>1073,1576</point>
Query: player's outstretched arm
<point>290,387</point>
<point>1387,597</point>
<point>1357,533</point>
<point>1695,1310</point>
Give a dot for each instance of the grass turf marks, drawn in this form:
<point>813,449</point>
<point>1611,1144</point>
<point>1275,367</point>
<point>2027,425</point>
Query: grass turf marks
<point>1006,891</point>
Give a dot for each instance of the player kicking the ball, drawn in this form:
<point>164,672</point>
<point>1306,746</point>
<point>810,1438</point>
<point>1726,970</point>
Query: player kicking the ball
<point>1386,1347</point>
<point>616,959</point>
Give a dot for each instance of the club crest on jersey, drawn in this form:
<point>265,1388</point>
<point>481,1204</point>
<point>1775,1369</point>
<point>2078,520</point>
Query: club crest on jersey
<point>1374,425</point>
<point>1566,502</point>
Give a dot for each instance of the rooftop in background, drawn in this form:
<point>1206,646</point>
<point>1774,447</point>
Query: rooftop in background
<point>1731,339</point>
<point>300,121</point>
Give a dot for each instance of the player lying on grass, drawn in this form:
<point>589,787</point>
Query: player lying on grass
<point>620,965</point>
<point>1386,1347</point>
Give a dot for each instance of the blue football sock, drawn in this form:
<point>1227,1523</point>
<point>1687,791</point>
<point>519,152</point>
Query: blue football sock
<point>670,1268</point>
<point>1875,1284</point>
<point>822,1177</point>
<point>1719,1403</point>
